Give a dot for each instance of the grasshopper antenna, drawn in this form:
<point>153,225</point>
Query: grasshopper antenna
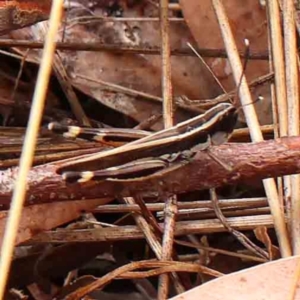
<point>246,55</point>
<point>207,66</point>
<point>246,60</point>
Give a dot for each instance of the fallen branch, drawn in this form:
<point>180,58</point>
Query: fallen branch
<point>248,161</point>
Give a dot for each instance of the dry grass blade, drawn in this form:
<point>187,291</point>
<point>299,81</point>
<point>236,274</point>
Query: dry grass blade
<point>193,205</point>
<point>252,121</point>
<point>221,251</point>
<point>293,111</point>
<point>167,92</point>
<point>29,145</point>
<point>280,97</point>
<point>168,115</point>
<point>278,64</point>
<point>278,90</point>
<point>127,232</point>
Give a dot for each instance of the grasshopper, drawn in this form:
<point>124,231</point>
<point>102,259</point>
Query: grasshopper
<point>148,153</point>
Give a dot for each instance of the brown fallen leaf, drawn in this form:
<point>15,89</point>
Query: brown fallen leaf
<point>261,233</point>
<point>272,281</point>
<point>139,72</point>
<point>246,21</point>
<point>38,218</point>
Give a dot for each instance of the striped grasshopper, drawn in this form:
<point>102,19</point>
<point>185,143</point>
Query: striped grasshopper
<point>147,154</point>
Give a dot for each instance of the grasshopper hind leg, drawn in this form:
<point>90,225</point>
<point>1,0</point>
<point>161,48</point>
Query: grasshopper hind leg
<point>133,170</point>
